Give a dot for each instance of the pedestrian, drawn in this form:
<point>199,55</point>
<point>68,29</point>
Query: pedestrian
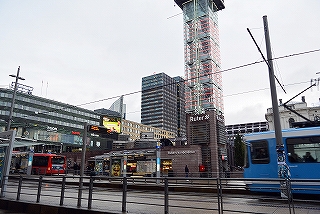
<point>75,168</point>
<point>186,170</point>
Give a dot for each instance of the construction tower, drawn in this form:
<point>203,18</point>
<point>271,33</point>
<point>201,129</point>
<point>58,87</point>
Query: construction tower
<point>204,95</point>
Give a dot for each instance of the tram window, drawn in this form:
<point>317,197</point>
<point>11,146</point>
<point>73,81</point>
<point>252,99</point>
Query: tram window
<point>260,152</point>
<point>303,149</point>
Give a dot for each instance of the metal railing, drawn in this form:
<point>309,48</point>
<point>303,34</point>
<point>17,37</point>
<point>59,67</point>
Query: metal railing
<point>162,195</point>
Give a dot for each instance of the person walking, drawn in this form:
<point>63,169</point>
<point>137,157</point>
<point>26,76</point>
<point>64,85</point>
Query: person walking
<point>186,170</point>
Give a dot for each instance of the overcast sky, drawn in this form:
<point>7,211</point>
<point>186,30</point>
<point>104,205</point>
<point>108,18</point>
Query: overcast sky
<point>81,51</point>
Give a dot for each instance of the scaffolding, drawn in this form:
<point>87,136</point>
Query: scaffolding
<point>203,91</point>
<point>202,57</point>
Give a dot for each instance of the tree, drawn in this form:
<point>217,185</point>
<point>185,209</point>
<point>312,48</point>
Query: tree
<point>239,151</point>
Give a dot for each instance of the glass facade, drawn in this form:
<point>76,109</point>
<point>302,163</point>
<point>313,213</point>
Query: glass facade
<point>41,110</point>
<point>162,103</point>
<point>119,106</point>
<point>43,120</point>
<point>202,57</point>
<point>203,81</point>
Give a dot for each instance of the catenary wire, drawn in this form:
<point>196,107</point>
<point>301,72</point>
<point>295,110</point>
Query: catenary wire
<point>229,69</point>
<point>222,71</point>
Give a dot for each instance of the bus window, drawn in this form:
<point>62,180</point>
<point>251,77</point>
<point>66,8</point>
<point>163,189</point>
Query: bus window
<point>40,161</point>
<point>259,152</point>
<point>58,160</point>
<point>303,149</point>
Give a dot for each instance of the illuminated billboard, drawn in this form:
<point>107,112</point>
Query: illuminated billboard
<point>112,123</point>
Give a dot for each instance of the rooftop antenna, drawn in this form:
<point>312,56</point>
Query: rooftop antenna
<point>47,89</point>
<point>41,86</point>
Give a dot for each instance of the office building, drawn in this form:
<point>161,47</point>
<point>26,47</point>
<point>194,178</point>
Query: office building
<point>54,126</point>
<point>181,112</point>
<point>134,130</point>
<point>45,125</point>
<point>119,106</point>
<point>162,103</point>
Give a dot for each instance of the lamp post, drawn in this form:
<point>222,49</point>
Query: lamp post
<point>14,96</point>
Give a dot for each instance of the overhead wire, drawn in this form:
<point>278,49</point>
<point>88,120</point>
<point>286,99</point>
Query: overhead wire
<point>183,81</point>
<point>277,69</point>
<point>229,69</point>
<point>262,89</point>
<point>264,59</point>
<point>251,91</point>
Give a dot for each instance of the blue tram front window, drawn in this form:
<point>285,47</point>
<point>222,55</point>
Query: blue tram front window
<point>303,149</point>
<point>259,152</point>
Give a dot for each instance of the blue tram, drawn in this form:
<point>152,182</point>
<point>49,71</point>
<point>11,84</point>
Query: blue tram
<point>302,153</point>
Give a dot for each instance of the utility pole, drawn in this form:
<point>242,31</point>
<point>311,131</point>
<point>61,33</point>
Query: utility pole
<point>283,170</point>
<point>83,162</point>
<point>13,96</point>
<point>9,136</point>
<point>275,108</point>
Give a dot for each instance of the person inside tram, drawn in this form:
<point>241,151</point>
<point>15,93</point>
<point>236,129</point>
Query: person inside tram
<point>262,154</point>
<point>308,158</point>
<point>294,157</point>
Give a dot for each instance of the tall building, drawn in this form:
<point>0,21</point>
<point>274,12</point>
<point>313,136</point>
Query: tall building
<point>119,106</point>
<point>161,98</point>
<point>181,114</point>
<point>204,95</point>
<point>202,55</point>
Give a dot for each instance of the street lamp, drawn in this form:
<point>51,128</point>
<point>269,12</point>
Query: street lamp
<point>14,96</point>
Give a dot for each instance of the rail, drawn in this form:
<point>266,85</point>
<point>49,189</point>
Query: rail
<point>162,195</point>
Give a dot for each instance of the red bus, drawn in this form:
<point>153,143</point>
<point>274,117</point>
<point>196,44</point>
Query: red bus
<point>48,164</point>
